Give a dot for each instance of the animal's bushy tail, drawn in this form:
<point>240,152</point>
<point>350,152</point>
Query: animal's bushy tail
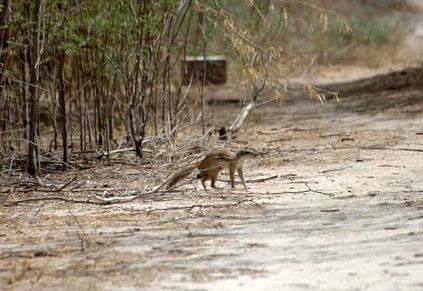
<point>180,175</point>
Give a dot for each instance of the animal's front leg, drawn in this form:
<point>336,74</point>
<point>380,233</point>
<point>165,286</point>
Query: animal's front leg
<point>232,177</point>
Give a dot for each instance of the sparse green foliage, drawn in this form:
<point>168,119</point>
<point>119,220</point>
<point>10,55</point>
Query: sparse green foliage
<point>107,68</point>
<point>350,35</point>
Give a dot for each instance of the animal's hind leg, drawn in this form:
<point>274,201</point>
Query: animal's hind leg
<point>203,182</point>
<point>213,177</point>
<point>241,176</point>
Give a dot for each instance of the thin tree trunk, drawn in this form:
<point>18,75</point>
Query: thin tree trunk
<point>4,18</point>
<point>62,102</point>
<point>202,28</point>
<point>35,55</point>
<point>79,103</point>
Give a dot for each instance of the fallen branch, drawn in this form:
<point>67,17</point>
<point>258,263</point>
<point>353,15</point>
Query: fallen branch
<point>408,150</point>
<point>309,189</point>
<point>103,202</point>
<point>318,192</point>
<point>201,206</point>
<point>391,149</point>
<point>242,116</point>
<point>236,125</point>
<point>52,198</point>
<point>66,184</point>
<point>282,130</point>
<point>97,201</point>
<point>73,190</point>
<point>329,210</point>
<point>118,151</point>
<point>260,180</point>
<point>334,170</point>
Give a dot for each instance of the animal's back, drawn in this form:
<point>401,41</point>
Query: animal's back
<point>217,159</point>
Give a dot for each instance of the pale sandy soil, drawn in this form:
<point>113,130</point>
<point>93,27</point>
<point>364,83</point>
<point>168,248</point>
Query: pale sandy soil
<point>344,213</point>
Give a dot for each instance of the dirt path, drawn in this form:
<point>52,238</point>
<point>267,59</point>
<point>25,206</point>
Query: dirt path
<point>345,213</point>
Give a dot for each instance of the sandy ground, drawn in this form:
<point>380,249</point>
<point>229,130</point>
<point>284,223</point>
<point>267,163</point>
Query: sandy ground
<point>344,213</point>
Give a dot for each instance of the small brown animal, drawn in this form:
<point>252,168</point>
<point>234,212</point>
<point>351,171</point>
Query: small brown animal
<point>212,164</point>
